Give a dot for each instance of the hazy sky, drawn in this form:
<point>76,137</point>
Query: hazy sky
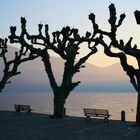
<point>59,13</point>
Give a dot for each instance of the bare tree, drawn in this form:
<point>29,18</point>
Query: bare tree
<point>65,43</point>
<point>11,66</point>
<point>125,50</point>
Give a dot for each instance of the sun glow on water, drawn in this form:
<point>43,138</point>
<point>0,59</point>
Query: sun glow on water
<point>43,103</point>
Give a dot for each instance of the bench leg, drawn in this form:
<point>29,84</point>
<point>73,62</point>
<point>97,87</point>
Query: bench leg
<point>106,119</point>
<point>87,117</point>
<point>29,112</point>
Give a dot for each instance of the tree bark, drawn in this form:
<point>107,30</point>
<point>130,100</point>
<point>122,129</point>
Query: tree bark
<point>59,103</point>
<point>3,81</point>
<point>2,85</point>
<point>138,110</point>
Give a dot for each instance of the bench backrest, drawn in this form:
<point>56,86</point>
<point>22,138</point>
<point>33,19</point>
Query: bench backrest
<point>102,112</point>
<point>89,111</point>
<point>24,107</point>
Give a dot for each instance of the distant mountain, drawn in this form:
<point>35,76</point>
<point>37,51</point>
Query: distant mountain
<point>93,79</point>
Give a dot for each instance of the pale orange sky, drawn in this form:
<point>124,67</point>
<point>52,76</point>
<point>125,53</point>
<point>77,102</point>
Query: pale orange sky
<point>126,31</point>
<point>101,60</point>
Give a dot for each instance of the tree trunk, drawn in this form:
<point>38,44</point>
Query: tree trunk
<point>3,82</point>
<point>138,110</point>
<point>59,103</point>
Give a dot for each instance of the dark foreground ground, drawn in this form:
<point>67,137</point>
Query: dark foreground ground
<point>40,127</point>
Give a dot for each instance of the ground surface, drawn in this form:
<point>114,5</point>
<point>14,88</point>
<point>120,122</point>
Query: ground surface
<point>40,127</point>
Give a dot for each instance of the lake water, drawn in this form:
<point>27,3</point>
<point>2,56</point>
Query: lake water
<point>43,103</point>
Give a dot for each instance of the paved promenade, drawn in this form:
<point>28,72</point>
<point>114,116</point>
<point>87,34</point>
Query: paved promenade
<point>40,127</point>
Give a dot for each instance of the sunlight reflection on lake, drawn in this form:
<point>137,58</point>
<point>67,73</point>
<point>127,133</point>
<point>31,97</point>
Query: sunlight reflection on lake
<point>43,103</point>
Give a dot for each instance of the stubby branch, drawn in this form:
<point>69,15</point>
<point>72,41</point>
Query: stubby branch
<point>11,66</point>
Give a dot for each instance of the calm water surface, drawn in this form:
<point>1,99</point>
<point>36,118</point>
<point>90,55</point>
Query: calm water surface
<point>43,103</point>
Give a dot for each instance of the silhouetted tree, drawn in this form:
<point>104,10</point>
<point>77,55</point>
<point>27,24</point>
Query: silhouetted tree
<point>11,66</point>
<point>125,50</point>
<point>66,43</point>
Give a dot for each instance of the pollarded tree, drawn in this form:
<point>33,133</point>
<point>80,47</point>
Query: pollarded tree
<point>11,66</point>
<point>65,43</point>
<point>125,50</point>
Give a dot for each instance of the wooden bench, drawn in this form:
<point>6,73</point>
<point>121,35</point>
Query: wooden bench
<point>96,113</point>
<point>22,108</point>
